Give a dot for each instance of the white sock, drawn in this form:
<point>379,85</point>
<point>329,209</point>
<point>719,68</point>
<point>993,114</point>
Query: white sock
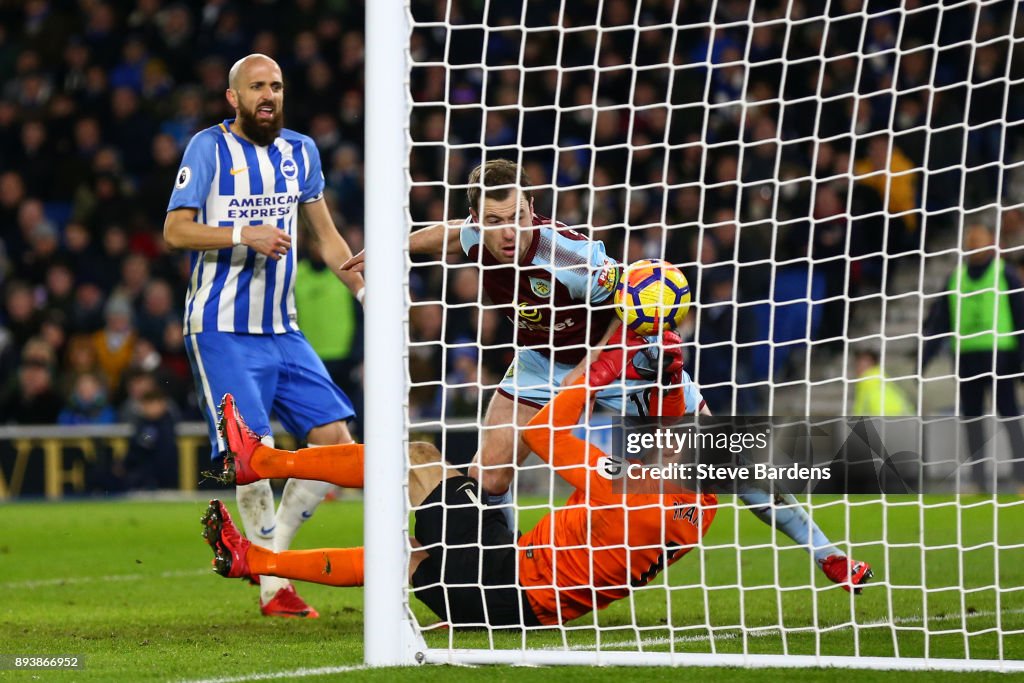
<point>256,507</point>
<point>298,503</point>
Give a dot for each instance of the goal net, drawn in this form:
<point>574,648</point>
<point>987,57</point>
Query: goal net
<point>840,183</point>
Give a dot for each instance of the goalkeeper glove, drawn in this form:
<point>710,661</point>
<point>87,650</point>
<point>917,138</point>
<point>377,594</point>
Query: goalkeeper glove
<point>641,359</point>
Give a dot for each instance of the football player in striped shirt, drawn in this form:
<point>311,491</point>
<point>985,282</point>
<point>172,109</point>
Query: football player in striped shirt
<point>236,202</point>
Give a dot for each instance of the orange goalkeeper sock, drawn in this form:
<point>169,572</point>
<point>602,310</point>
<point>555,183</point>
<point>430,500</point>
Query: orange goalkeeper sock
<point>340,464</point>
<point>329,566</point>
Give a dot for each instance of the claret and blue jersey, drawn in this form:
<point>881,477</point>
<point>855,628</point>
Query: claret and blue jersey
<point>230,182</point>
<point>547,299</point>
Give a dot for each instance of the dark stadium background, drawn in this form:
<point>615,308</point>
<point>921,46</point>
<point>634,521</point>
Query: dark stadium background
<point>99,98</point>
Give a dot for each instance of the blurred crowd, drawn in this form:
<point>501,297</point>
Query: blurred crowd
<point>719,167</point>
<point>797,141</point>
<point>98,101</point>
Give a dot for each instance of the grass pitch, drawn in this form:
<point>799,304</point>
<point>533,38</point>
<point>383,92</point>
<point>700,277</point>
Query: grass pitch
<point>126,585</point>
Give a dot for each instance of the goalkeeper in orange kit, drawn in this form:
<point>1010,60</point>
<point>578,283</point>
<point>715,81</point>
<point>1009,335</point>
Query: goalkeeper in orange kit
<point>467,565</point>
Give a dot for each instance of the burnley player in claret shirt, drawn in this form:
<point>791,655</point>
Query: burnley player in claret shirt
<point>555,285</point>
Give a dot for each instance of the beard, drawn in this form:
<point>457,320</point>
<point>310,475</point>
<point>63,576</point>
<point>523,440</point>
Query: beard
<point>261,132</point>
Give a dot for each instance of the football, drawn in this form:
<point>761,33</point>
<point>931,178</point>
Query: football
<point>652,295</point>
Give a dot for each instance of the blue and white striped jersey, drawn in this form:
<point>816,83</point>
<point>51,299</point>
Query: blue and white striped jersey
<point>231,181</point>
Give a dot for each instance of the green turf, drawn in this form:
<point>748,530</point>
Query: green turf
<point>125,584</point>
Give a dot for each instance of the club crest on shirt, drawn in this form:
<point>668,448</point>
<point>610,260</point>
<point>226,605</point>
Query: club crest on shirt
<point>540,286</point>
<point>609,275</point>
<point>289,169</point>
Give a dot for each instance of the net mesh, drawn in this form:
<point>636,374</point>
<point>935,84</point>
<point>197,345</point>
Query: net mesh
<point>815,170</point>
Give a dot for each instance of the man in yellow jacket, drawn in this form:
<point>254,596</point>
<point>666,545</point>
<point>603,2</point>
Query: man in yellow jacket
<point>875,394</point>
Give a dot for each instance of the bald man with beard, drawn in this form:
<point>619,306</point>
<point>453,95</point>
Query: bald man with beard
<point>237,197</point>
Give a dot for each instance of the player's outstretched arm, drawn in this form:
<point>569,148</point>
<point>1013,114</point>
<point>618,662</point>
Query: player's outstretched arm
<point>333,247</point>
<point>549,435</point>
<point>438,240</point>
<point>181,231</point>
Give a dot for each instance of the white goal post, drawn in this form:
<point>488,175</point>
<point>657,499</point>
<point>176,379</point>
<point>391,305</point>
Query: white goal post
<point>389,635</point>
<point>815,172</point>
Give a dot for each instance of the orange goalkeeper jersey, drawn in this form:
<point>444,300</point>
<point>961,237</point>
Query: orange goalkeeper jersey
<point>601,543</point>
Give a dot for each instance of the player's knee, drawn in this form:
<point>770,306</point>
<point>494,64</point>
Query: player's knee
<point>332,433</point>
<point>423,453</point>
<point>495,481</point>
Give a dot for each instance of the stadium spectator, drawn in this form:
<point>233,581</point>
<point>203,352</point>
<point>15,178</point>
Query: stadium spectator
<point>159,175</point>
<point>53,331</point>
<point>176,372</point>
<point>8,355</point>
<point>59,290</point>
<point>721,367</point>
<point>874,393</point>
<point>461,394</point>
<point>30,397</point>
<point>88,313</point>
<point>830,231</point>
<point>135,278</point>
<point>34,157</point>
<point>137,384</point>
<point>87,404</point>
<point>889,172</point>
<point>80,359</point>
<point>156,312</point>
<point>81,253</point>
<point>21,317</point>
<point>115,343</point>
<point>981,315</point>
<point>152,458</point>
<point>425,356</point>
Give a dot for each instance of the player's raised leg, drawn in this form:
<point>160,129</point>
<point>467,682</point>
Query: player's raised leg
<point>785,513</point>
<point>234,556</point>
<point>250,460</point>
<point>301,497</point>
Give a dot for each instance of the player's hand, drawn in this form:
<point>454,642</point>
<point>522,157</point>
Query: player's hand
<point>269,240</point>
<point>615,359</point>
<point>655,361</point>
<point>356,264</point>
<point>642,358</point>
